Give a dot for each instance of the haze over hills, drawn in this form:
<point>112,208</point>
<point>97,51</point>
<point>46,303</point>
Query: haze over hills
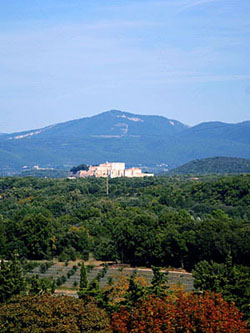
<point>122,136</point>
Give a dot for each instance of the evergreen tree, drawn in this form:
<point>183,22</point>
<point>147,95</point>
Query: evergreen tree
<point>12,281</point>
<point>91,290</point>
<point>83,282</point>
<point>135,292</point>
<point>159,282</point>
<point>83,277</point>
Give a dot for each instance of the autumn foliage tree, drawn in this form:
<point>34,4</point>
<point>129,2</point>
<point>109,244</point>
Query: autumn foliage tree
<point>46,314</point>
<point>187,312</point>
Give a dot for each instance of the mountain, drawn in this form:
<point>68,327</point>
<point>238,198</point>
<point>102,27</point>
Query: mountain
<point>216,165</point>
<point>220,131</point>
<point>121,136</point>
<point>112,123</point>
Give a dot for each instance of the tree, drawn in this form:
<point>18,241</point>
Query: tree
<point>12,281</point>
<point>83,281</point>
<point>232,281</point>
<point>91,290</point>
<point>136,291</point>
<point>185,313</point>
<point>38,286</point>
<point>159,282</point>
<point>47,313</point>
<point>79,167</point>
<point>3,235</point>
<point>35,231</point>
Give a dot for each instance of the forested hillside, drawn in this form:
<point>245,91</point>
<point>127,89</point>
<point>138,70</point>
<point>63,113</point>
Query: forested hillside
<point>155,221</point>
<point>216,165</point>
<point>200,225</point>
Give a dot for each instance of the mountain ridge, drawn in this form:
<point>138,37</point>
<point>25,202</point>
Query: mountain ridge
<point>201,126</point>
<point>115,115</point>
<point>122,136</point>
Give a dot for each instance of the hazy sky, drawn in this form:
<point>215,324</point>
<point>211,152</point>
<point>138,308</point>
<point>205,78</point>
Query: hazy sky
<point>65,59</point>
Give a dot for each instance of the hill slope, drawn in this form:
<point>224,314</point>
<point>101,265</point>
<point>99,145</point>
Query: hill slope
<point>219,165</point>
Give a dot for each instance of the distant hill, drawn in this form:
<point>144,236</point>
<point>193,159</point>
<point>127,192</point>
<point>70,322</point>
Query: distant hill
<point>217,165</point>
<point>45,173</point>
<point>220,131</point>
<point>137,140</point>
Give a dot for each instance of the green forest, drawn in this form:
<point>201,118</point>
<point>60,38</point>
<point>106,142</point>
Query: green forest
<point>155,221</point>
<point>201,225</point>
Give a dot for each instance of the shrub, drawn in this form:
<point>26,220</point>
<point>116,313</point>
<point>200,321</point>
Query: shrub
<point>58,282</point>
<point>28,266</point>
<point>63,257</point>
<point>89,268</point>
<point>45,266</point>
<point>63,279</point>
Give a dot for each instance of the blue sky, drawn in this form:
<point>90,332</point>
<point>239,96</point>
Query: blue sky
<point>65,59</point>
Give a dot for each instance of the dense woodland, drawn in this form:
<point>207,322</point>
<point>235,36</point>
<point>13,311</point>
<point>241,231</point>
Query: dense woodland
<point>154,221</point>
<point>201,225</point>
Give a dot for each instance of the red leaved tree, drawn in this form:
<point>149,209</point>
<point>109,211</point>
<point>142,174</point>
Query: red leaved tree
<point>187,312</point>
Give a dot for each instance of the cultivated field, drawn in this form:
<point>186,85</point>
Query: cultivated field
<point>114,272</point>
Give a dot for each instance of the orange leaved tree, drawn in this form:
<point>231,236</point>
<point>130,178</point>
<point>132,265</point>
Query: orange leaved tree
<point>47,313</point>
<point>187,312</point>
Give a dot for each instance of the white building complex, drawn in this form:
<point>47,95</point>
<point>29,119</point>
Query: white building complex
<point>113,170</point>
